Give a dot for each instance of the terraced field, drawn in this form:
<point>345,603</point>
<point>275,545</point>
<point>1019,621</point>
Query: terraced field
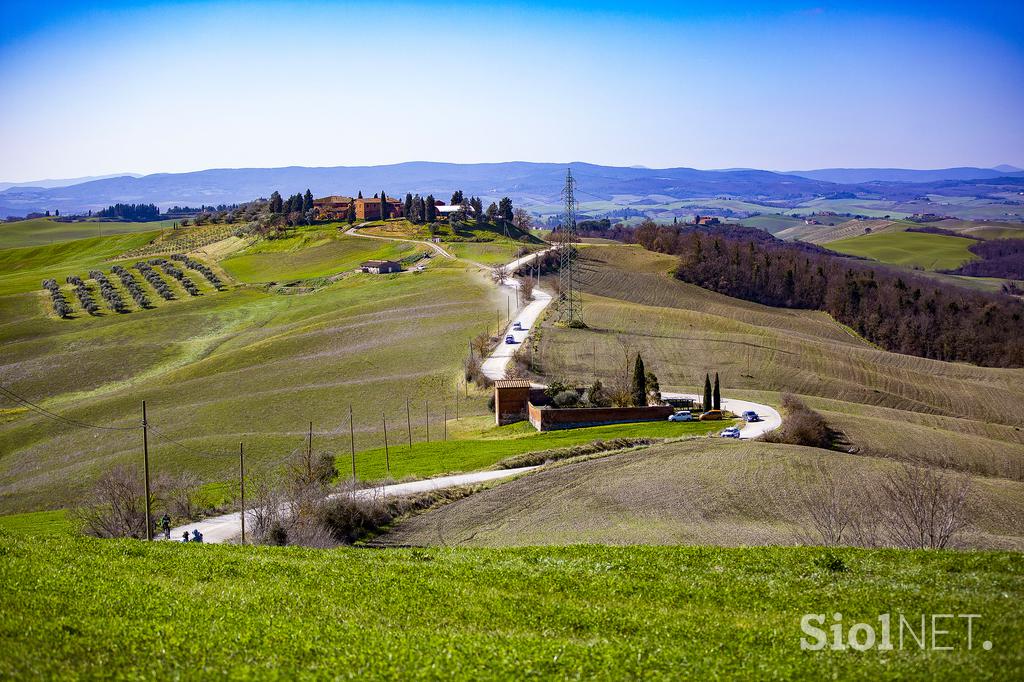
<point>687,493</point>
<point>825,234</point>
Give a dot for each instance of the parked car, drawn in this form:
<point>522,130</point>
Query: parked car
<point>682,416</point>
<point>518,326</point>
<point>750,416</point>
<point>711,415</point>
<point>731,432</point>
<point>510,339</point>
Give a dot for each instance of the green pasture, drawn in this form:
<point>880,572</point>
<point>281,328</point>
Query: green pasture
<point>911,249</point>
<point>41,231</point>
<point>82,608</point>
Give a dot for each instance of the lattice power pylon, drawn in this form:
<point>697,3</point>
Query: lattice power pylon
<point>570,305</point>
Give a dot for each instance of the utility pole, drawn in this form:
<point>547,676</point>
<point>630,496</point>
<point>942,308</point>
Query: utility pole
<point>309,443</point>
<point>387,457</point>
<point>145,464</point>
<point>352,441</point>
<point>408,421</point>
<point>241,483</point>
<point>426,407</point>
<point>446,422</point>
<point>456,403</point>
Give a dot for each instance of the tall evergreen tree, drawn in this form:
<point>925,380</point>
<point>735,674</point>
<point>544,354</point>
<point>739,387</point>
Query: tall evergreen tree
<point>639,392</point>
<point>707,393</point>
<point>716,395</point>
<point>505,210</point>
<point>383,205</point>
<point>307,201</point>
<point>430,213</point>
<point>360,194</point>
<point>351,215</point>
<point>456,197</point>
<point>276,204</point>
<point>407,208</point>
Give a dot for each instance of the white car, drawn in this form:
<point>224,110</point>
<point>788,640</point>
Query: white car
<point>731,432</point>
<point>683,416</point>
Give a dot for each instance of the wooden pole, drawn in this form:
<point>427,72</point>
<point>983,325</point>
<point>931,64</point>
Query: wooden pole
<point>145,466</point>
<point>309,443</point>
<point>456,403</point>
<point>387,457</point>
<point>352,441</point>
<point>408,421</point>
<point>241,483</point>
<point>445,422</point>
<point>426,407</point>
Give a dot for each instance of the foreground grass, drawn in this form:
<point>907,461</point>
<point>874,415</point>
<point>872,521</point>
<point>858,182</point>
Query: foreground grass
<point>78,607</point>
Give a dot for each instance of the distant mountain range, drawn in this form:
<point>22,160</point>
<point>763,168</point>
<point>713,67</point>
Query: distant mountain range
<point>64,182</point>
<point>855,176</point>
<point>529,184</point>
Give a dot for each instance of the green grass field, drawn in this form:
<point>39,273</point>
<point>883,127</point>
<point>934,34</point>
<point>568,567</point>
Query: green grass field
<point>81,608</point>
<point>23,269</point>
<point>310,254</point>
<point>41,231</point>
<point>912,249</point>
<point>243,364</point>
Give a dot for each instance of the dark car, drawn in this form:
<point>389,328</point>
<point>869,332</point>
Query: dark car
<point>750,416</point>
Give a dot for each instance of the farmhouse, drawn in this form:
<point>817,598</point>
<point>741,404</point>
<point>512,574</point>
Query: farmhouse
<point>369,209</point>
<point>515,400</point>
<point>331,208</point>
<point>705,220</point>
<point>380,267</point>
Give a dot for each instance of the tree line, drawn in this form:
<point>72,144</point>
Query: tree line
<point>901,312</point>
<point>132,212</point>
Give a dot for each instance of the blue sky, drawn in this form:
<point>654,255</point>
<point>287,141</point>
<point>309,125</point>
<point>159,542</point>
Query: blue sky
<point>96,88</point>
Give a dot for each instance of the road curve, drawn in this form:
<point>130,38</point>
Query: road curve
<point>225,527</point>
<point>770,417</point>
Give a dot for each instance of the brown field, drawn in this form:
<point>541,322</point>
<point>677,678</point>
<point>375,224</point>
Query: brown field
<point>891,408</point>
<point>822,234</point>
<point>705,492</point>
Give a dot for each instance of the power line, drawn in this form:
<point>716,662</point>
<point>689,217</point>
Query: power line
<point>156,432</point>
<point>57,417</point>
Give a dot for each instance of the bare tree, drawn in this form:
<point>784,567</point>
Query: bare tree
<point>526,288</point>
<point>179,494</point>
<point>828,505</point>
<point>925,508</point>
<point>116,506</point>
<point>501,274</point>
<point>522,219</point>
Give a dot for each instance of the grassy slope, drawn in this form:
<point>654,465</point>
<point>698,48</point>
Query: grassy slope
<point>244,364</point>
<point>24,269</point>
<point>309,254</point>
<point>169,610</point>
<point>40,231</point>
<point>912,249</point>
<point>696,492</point>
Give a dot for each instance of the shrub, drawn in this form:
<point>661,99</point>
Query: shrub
<point>155,281</point>
<point>60,304</point>
<point>802,426</point>
<point>566,399</point>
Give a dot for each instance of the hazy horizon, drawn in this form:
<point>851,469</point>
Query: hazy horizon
<point>158,86</point>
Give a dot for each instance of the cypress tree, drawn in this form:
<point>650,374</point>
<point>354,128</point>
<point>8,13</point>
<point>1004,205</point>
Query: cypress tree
<point>707,393</point>
<point>307,201</point>
<point>407,209</point>
<point>716,396</point>
<point>430,212</point>
<point>639,392</point>
<point>383,205</point>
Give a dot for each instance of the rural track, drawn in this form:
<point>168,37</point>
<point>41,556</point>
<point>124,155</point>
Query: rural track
<point>219,529</point>
<point>354,232</point>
